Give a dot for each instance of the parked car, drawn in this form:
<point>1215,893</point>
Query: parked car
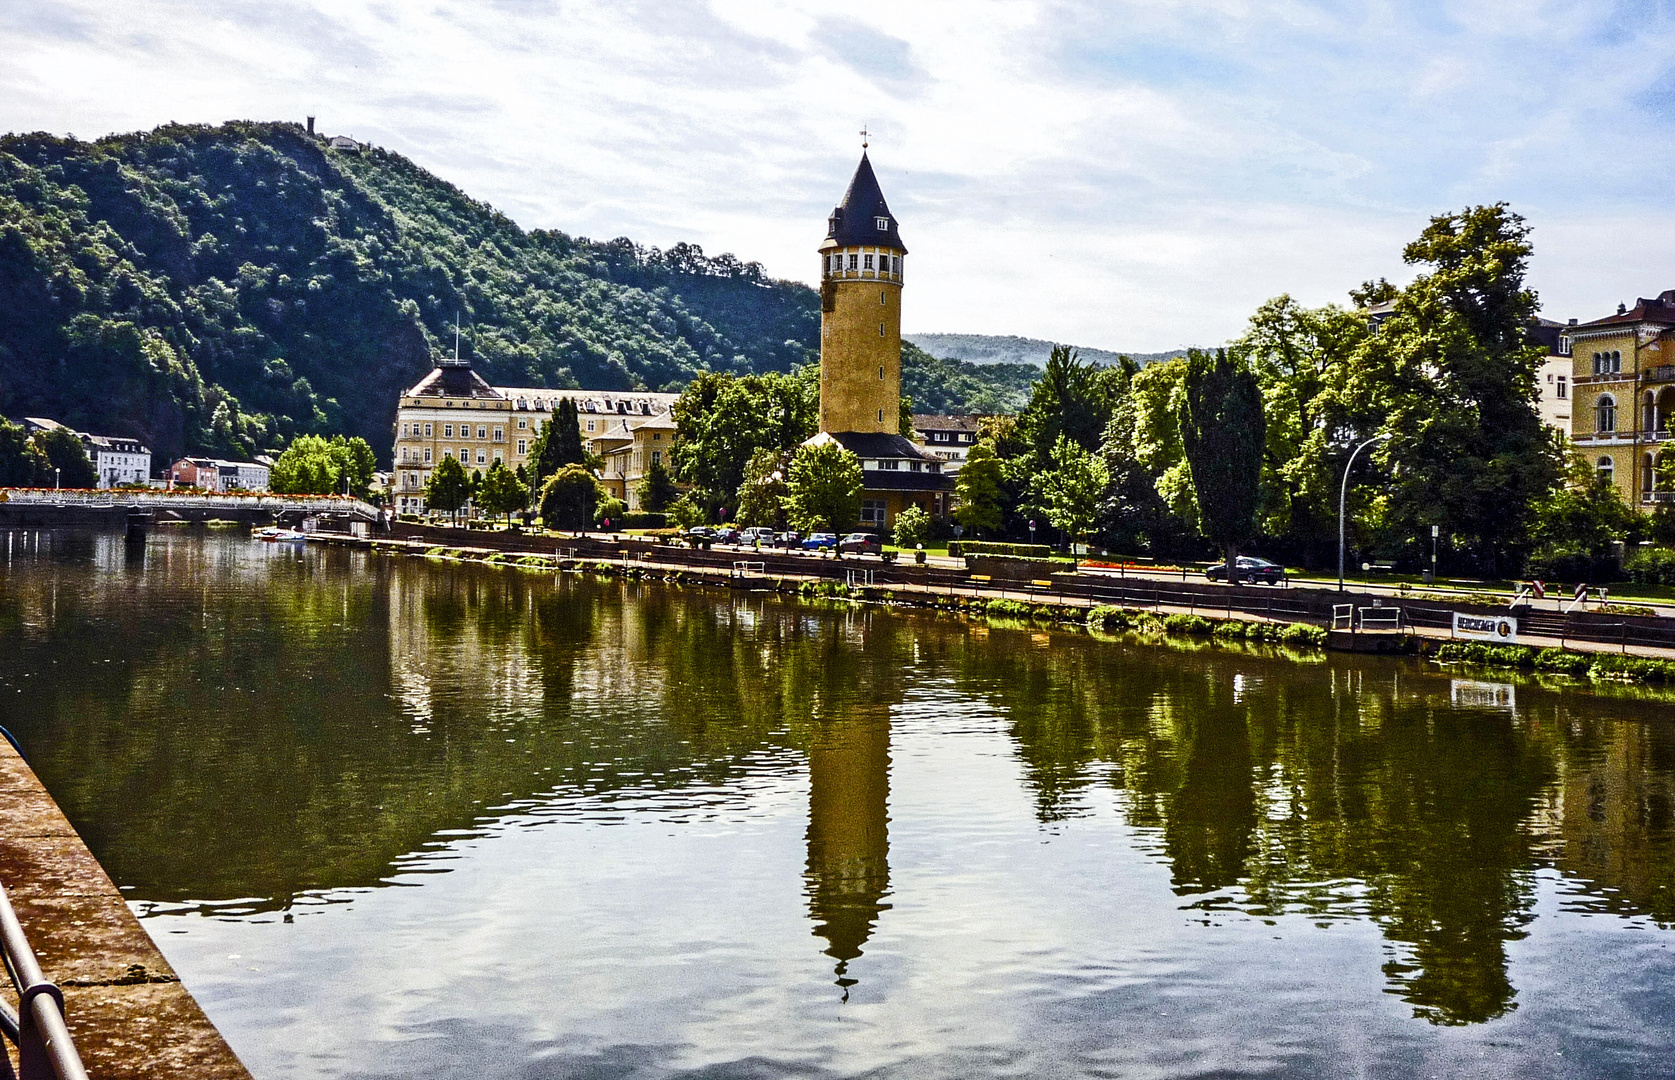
<point>861,543</point>
<point>820,542</point>
<point>788,539</point>
<point>1251,569</point>
<point>756,534</point>
<point>699,533</point>
<point>726,534</point>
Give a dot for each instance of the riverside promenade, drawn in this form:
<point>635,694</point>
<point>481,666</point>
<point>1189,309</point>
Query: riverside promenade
<point>127,1011</point>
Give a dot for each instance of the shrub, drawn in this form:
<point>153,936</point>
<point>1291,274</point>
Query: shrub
<point>1008,609</point>
<point>985,547</point>
<point>1631,669</point>
<point>1651,566</point>
<point>1568,562</point>
<point>639,519</point>
<point>1563,662</point>
<point>913,527</point>
<point>1108,617</point>
<point>1187,624</point>
<point>1302,634</point>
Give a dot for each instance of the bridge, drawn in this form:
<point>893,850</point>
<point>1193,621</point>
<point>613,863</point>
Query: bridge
<point>49,508</point>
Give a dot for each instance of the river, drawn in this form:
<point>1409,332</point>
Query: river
<point>392,817</point>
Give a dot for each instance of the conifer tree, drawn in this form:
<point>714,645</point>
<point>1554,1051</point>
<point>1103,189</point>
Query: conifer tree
<point>1222,432</point>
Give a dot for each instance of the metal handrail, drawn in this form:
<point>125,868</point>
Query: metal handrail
<point>44,1048</point>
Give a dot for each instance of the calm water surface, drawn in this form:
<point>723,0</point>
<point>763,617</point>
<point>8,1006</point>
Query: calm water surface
<point>391,818</point>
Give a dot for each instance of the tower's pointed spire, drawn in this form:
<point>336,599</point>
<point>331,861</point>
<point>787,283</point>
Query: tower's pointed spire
<point>864,217</point>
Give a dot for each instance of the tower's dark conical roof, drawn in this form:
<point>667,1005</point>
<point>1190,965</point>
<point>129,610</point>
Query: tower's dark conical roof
<point>856,221</point>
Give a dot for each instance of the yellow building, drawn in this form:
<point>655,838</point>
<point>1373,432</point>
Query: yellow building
<point>454,412</point>
<point>630,446</point>
<point>861,268</point>
<point>1623,392</point>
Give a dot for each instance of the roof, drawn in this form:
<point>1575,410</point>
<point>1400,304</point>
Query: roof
<point>933,422</point>
<point>453,381</point>
<point>1660,309</point>
<point>218,463</point>
<point>856,220</point>
<point>876,444</point>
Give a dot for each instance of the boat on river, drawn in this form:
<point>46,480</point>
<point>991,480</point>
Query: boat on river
<point>275,535</point>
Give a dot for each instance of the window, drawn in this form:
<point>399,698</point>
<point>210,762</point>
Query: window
<point>447,451</point>
<point>447,431</point>
<point>1560,391</point>
<point>880,329</point>
<point>889,464</point>
<point>880,372</point>
<point>590,425</point>
<point>657,436</point>
<point>915,466</point>
<point>497,457</point>
<point>482,459</point>
<point>854,262</point>
<point>522,424</point>
<point>872,512</point>
<point>1605,414</point>
<point>523,446</point>
<point>1606,468</point>
<point>866,262</point>
<point>881,297</point>
<point>1616,362</point>
<point>880,416</point>
<point>482,433</point>
<point>427,431</point>
<point>883,224</point>
<point>404,429</point>
<point>884,263</point>
<point>1564,344</point>
<point>499,434</point>
<point>657,457</point>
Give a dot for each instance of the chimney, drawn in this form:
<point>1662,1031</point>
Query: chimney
<point>1573,322</point>
<point>1622,309</point>
<point>311,127</point>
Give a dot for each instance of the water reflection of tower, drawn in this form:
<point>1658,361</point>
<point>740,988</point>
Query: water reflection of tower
<point>848,831</point>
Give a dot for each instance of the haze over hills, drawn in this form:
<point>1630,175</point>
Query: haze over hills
<point>223,289</point>
<point>1011,349</point>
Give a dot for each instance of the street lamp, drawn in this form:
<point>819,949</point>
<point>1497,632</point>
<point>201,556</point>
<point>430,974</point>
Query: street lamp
<point>55,478</point>
<point>1343,492</point>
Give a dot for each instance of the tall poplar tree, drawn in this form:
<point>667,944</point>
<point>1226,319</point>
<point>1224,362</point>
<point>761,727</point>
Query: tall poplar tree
<point>1222,432</point>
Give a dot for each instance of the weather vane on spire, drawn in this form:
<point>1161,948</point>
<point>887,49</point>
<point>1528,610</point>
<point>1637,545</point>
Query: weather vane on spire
<point>865,135</point>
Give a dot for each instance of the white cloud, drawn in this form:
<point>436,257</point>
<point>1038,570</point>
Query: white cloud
<point>1133,175</point>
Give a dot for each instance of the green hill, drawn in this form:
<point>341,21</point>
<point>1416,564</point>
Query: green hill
<point>1011,349</point>
<point>223,289</point>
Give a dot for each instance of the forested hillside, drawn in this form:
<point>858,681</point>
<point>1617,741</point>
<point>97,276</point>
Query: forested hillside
<point>984,349</point>
<point>226,288</point>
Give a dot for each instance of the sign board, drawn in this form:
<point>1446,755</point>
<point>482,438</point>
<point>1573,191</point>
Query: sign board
<point>1501,629</point>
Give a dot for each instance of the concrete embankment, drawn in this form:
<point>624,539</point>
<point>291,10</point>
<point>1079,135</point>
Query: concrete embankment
<point>128,1013</point>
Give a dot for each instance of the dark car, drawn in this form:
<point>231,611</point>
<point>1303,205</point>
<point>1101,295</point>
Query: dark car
<point>1251,569</point>
<point>788,539</point>
<point>861,543</point>
<point>700,533</point>
<point>726,534</point>
<point>820,542</point>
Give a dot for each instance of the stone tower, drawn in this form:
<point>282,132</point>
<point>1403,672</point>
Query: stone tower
<point>860,312</point>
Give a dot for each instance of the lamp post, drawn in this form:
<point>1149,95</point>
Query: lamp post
<point>1343,492</point>
<point>56,476</point>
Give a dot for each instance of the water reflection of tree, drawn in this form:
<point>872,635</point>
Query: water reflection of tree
<point>1349,790</point>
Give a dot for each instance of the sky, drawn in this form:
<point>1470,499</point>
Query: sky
<point>1131,174</point>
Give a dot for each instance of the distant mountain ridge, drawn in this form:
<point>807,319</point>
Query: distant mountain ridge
<point>1011,349</point>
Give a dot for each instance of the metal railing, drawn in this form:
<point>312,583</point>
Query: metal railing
<point>37,1028</point>
<point>183,500</point>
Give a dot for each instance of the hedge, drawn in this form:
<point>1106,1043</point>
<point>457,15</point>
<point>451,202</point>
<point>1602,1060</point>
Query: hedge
<point>1612,666</point>
<point>957,548</point>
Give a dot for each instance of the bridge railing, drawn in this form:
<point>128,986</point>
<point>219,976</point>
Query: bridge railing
<point>44,1048</point>
<point>181,500</point>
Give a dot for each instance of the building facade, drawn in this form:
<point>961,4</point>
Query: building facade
<point>948,438</point>
<point>1552,378</point>
<point>118,460</point>
<point>1622,370</point>
<point>454,412</point>
<point>861,274</point>
<point>630,446</point>
<point>219,474</point>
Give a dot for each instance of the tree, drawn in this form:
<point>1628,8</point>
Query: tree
<point>18,458</point>
<point>558,443</point>
<point>761,497</point>
<point>1070,492</point>
<point>447,489</point>
<point>609,510</point>
<point>568,498</point>
<point>312,465</point>
<point>1222,433</point>
<point>657,490</point>
<point>62,459</point>
<point>502,492</point>
<point>1450,377</point>
<point>913,527</point>
<point>1072,399</point>
<point>977,486</point>
<point>825,487</point>
<point>1576,524</point>
<point>724,419</point>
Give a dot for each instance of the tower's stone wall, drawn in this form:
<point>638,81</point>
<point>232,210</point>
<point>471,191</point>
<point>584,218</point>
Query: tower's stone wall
<point>860,354</point>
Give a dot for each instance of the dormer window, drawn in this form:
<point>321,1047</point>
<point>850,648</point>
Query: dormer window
<point>883,224</point>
